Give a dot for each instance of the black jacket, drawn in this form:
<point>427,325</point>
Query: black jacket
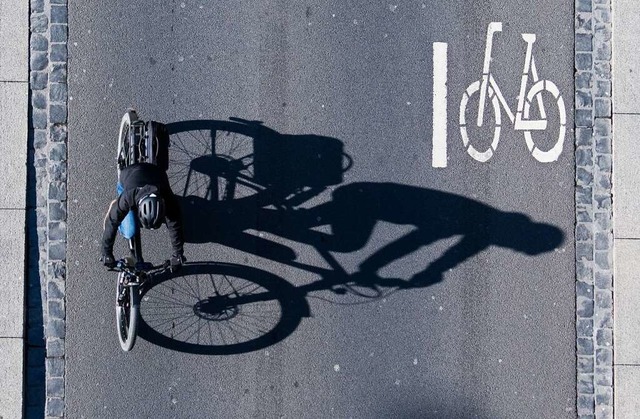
<point>139,180</point>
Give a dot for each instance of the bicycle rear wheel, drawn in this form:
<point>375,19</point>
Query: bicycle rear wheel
<point>123,133</point>
<point>548,89</point>
<point>489,149</point>
<point>127,316</point>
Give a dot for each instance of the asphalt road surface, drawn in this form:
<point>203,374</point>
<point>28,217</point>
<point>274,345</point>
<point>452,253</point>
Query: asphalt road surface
<point>368,282</point>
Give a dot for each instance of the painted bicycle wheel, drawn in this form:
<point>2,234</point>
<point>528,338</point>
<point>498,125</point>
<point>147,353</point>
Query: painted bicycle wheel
<point>480,152</point>
<point>536,95</point>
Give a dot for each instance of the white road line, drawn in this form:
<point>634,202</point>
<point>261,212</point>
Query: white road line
<point>439,150</point>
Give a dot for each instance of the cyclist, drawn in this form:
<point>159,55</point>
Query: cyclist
<point>144,188</point>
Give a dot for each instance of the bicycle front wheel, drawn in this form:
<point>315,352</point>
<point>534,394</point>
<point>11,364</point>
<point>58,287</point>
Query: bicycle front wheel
<point>127,316</point>
<point>481,156</point>
<point>535,95</point>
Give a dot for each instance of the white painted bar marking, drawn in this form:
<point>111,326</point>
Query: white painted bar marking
<point>439,150</point>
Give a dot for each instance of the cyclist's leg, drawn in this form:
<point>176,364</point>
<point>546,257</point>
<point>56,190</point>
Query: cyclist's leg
<point>470,245</point>
<point>350,227</point>
<point>393,251</point>
<point>128,226</point>
<point>352,214</point>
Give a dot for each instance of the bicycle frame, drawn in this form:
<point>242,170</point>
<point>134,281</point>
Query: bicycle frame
<point>135,246</point>
<point>487,79</point>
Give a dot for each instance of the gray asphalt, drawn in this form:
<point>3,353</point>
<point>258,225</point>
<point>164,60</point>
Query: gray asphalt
<point>491,335</point>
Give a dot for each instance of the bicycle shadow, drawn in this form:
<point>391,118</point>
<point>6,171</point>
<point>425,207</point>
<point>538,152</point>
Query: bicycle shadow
<point>215,308</point>
<point>225,196</point>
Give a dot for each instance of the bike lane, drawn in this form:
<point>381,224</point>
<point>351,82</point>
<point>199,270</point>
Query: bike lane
<point>487,326</point>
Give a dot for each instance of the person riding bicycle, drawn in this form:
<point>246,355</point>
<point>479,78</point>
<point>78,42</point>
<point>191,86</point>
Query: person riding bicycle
<point>145,189</point>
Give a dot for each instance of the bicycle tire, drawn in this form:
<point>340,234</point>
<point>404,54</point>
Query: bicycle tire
<point>481,156</point>
<point>127,317</point>
<point>122,154</point>
<point>554,152</point>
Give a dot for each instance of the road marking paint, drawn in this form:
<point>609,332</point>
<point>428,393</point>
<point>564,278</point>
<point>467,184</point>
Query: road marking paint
<point>439,150</point>
<point>489,91</point>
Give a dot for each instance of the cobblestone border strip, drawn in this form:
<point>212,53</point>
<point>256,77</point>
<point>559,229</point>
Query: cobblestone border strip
<point>593,233</point>
<point>47,256</point>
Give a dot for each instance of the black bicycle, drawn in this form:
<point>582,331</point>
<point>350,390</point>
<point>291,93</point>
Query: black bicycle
<point>138,142</point>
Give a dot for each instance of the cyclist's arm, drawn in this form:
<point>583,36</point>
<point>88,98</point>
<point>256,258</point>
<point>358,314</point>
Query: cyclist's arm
<point>174,224</point>
<point>173,215</point>
<point>115,214</point>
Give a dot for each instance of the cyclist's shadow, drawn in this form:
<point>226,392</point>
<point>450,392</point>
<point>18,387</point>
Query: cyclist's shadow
<point>226,196</point>
<point>355,208</point>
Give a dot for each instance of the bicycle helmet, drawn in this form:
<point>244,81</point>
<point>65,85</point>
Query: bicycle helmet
<point>151,211</point>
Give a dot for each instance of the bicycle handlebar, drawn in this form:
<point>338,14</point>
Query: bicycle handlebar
<point>144,267</point>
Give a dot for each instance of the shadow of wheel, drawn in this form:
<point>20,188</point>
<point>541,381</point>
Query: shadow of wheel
<point>239,160</point>
<point>219,309</point>
<point>215,159</point>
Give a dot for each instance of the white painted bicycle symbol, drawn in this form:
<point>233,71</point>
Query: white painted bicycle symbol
<point>488,88</point>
